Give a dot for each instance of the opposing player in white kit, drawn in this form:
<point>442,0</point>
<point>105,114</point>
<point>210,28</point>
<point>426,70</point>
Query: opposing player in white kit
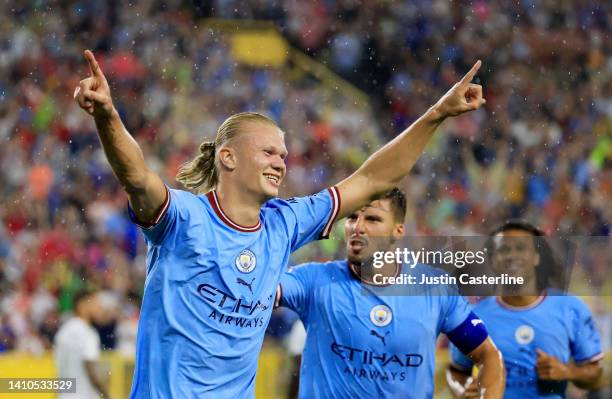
<point>77,348</point>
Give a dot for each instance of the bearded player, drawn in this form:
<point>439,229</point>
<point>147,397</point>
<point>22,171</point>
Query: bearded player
<point>361,344</point>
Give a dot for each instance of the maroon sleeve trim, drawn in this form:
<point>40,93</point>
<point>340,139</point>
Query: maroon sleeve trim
<point>279,296</point>
<point>335,210</point>
<point>160,214</point>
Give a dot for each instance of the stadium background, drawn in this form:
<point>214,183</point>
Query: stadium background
<point>340,77</point>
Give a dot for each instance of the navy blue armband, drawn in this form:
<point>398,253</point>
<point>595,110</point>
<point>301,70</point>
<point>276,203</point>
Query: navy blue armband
<point>469,334</point>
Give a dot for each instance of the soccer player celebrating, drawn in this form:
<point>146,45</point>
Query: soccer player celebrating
<point>362,344</point>
<point>536,328</point>
<point>214,260</point>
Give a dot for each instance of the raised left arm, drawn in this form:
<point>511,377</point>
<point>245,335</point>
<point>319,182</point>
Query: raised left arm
<point>384,169</point>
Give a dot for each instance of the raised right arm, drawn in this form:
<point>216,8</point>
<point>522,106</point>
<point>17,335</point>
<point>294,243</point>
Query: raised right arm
<point>145,189</point>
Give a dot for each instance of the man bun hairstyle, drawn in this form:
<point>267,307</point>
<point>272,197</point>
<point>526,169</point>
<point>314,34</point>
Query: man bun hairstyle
<point>201,174</point>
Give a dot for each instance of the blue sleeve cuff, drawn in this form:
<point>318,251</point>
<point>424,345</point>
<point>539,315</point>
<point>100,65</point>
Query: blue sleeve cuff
<point>469,334</point>
<point>594,358</point>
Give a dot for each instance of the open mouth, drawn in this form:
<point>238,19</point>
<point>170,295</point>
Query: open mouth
<point>357,244</point>
<point>514,267</point>
<point>274,179</point>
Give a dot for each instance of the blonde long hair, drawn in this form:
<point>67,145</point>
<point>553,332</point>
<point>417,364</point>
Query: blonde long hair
<point>201,173</point>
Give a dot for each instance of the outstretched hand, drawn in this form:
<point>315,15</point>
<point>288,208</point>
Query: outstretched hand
<point>93,93</point>
<point>464,96</point>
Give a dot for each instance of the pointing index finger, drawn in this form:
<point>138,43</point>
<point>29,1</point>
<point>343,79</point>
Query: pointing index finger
<point>93,64</point>
<point>471,73</point>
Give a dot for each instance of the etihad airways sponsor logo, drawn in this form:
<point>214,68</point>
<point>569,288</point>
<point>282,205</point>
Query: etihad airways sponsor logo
<point>225,302</point>
<point>367,357</point>
<point>241,322</point>
<point>373,374</point>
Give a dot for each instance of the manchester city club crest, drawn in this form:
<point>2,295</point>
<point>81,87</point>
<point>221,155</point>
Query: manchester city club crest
<point>381,315</point>
<point>246,261</point>
<point>524,334</point>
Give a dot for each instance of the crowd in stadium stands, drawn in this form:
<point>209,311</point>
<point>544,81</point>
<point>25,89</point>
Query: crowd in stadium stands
<point>540,150</point>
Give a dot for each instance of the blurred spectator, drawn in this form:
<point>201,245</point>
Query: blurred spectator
<point>7,335</point>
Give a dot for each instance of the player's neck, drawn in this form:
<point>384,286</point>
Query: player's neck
<point>365,272</point>
<point>527,290</point>
<point>525,295</point>
<point>240,208</point>
<point>520,301</point>
<point>83,318</point>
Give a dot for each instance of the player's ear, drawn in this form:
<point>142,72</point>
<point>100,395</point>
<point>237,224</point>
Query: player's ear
<point>399,231</point>
<point>227,158</point>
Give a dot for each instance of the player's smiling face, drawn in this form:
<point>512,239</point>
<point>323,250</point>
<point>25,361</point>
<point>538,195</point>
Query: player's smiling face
<point>370,229</point>
<point>260,159</point>
<point>516,254</point>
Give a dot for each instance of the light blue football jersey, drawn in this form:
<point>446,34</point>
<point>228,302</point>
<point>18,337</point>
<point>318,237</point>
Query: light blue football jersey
<point>209,292</point>
<point>560,325</point>
<point>365,345</point>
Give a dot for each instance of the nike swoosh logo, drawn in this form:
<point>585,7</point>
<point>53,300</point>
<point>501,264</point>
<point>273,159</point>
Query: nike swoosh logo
<point>476,322</point>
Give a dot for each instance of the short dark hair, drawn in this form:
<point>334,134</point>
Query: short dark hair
<point>517,224</point>
<point>548,270</point>
<point>82,294</point>
<point>398,203</point>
